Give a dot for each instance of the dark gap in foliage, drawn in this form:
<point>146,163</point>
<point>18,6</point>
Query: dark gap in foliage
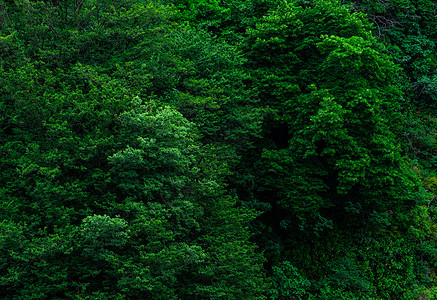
<point>280,135</point>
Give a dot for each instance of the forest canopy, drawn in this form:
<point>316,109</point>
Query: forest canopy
<point>202,149</point>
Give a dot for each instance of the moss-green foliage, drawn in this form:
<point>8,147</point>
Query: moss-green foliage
<point>408,28</point>
<point>137,141</point>
<point>109,195</point>
<point>107,191</point>
<point>228,20</point>
<point>332,165</point>
<point>330,85</point>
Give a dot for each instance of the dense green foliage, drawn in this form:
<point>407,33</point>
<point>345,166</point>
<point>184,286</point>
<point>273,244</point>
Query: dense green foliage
<point>203,149</point>
<point>409,29</point>
<point>107,192</point>
<point>335,93</point>
<point>331,165</point>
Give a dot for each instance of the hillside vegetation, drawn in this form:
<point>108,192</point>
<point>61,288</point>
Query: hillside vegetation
<point>205,149</point>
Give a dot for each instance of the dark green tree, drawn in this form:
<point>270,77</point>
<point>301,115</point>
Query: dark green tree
<point>334,93</point>
<point>108,191</point>
<point>331,162</point>
<point>408,28</point>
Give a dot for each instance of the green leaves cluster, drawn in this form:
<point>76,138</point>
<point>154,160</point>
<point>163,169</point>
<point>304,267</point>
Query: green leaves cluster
<point>331,162</point>
<point>408,28</point>
<point>333,89</point>
<point>147,149</point>
<point>109,191</point>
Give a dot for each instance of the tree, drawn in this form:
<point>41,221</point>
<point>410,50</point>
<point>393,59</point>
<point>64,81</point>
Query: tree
<point>110,193</point>
<point>331,165</point>
<point>408,28</point>
<point>333,91</point>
